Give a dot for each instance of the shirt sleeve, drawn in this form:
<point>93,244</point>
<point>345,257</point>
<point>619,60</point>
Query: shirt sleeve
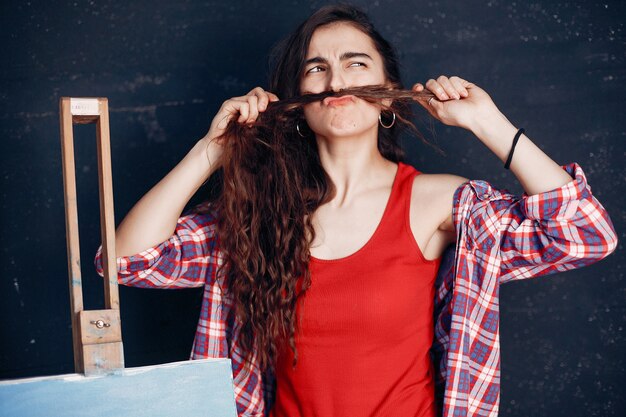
<point>184,260</point>
<point>557,230</point>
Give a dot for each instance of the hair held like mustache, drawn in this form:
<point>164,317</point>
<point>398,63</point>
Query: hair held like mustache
<point>283,115</point>
<point>370,93</point>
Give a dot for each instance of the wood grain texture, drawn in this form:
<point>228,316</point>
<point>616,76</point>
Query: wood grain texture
<point>91,334</point>
<point>71,226</point>
<point>101,358</point>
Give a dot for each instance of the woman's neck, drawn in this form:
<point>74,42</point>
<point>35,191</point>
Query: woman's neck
<point>354,164</point>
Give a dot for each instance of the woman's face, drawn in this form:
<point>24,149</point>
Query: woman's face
<point>340,56</point>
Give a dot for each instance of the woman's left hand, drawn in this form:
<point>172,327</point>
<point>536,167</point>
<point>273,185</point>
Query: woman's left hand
<point>457,102</point>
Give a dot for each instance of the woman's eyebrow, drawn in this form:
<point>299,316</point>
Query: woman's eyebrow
<point>349,55</point>
<point>343,57</point>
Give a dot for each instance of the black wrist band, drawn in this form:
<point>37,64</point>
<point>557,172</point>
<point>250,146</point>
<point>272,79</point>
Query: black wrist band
<point>515,139</point>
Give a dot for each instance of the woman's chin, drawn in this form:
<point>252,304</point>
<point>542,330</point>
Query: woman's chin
<point>347,132</point>
<point>344,128</point>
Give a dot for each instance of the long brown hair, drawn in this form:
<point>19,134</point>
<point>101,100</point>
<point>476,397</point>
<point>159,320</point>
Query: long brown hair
<point>272,181</point>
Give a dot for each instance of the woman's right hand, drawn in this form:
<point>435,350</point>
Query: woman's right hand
<point>245,108</point>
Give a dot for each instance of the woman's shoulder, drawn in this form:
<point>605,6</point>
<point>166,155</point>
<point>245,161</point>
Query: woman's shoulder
<point>437,185</point>
<point>433,193</point>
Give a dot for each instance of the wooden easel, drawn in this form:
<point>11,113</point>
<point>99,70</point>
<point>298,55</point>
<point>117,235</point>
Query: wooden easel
<point>97,334</point>
<point>194,388</point>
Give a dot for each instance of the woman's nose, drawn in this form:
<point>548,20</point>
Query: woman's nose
<point>336,82</point>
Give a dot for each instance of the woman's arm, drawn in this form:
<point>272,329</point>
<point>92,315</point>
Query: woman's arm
<point>155,246</point>
<point>534,235</point>
<point>153,218</point>
<point>535,170</point>
<point>464,104</point>
<point>556,225</point>
<point>190,257</point>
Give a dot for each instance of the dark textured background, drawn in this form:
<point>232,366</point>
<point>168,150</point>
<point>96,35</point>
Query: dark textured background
<point>555,68</point>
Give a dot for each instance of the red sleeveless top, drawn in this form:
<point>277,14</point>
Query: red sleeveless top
<point>366,327</point>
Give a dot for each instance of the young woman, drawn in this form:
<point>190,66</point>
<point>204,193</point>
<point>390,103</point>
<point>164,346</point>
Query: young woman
<point>322,259</point>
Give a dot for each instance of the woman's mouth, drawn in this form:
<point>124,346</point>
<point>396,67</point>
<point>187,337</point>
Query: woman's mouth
<point>338,101</point>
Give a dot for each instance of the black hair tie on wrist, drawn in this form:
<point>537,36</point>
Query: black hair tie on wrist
<point>515,139</point>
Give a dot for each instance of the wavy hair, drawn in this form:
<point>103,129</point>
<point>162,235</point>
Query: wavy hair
<point>272,182</point>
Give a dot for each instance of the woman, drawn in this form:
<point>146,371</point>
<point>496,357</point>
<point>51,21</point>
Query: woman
<point>324,272</point>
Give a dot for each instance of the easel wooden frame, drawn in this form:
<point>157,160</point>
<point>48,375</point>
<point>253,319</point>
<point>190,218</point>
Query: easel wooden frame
<point>202,387</point>
<point>96,334</point>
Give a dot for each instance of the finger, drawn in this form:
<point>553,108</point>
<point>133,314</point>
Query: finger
<point>463,82</point>
<point>467,85</point>
<point>244,111</point>
<point>256,91</point>
<point>263,100</point>
<point>231,106</point>
<point>425,101</point>
<point>253,109</point>
<point>447,85</point>
<point>264,97</point>
<point>418,88</point>
<point>261,95</point>
<point>458,84</point>
<point>225,114</point>
<point>437,89</point>
<point>230,110</point>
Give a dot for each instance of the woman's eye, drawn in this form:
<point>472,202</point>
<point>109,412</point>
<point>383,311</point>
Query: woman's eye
<point>357,64</point>
<point>315,69</point>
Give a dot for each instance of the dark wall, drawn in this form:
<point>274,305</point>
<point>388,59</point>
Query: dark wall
<point>555,68</point>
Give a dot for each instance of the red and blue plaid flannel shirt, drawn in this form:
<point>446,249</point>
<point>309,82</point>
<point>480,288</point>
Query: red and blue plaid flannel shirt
<point>500,237</point>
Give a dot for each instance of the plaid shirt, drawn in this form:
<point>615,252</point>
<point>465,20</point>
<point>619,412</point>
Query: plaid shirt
<point>500,237</point>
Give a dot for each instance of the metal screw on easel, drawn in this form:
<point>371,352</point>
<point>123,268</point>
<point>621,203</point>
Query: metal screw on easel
<point>100,323</point>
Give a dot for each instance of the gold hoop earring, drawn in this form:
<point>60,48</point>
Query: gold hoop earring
<point>298,130</point>
<point>393,120</point>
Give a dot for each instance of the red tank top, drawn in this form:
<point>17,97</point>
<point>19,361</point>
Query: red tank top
<point>366,327</point>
